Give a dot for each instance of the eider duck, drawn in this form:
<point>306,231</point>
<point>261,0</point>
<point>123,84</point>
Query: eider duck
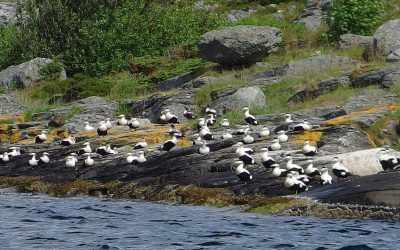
<point>102,129</point>
<point>311,170</point>
<point>241,150</point>
<point>88,162</point>
<point>305,125</point>
<point>226,135</point>
<point>243,130</point>
<point>188,114</point>
<point>250,119</point>
<point>122,121</point>
<point>204,149</point>
<point>206,134</point>
<point>387,161</point>
<point>275,146</point>
<point>133,123</point>
<point>44,159</point>
<point>308,150</point>
<point>248,139</point>
<point>286,125</point>
<point>224,123</point>
<point>33,161</point>
<point>168,145</point>
<point>290,166</point>
<point>42,137</point>
<point>170,117</point>
<point>264,132</point>
<point>4,158</point>
<point>174,130</point>
<point>68,142</point>
<point>282,137</point>
<point>139,159</point>
<point>338,169</point>
<point>243,174</point>
<point>278,172</point>
<point>85,149</point>
<point>196,139</point>
<point>108,123</point>
<point>295,185</point>
<point>266,160</point>
<point>70,162</point>
<point>141,144</point>
<point>88,127</point>
<point>16,151</point>
<point>326,178</point>
<point>210,111</point>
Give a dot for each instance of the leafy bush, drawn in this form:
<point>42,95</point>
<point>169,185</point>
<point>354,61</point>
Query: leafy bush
<point>353,16</point>
<point>98,36</point>
<point>52,70</point>
<point>10,46</point>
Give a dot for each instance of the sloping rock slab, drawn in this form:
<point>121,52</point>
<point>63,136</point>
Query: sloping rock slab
<point>178,81</point>
<point>378,189</point>
<point>385,77</point>
<point>351,40</point>
<point>387,37</point>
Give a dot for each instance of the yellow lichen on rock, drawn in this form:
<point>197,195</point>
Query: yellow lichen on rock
<point>312,136</point>
<point>346,119</point>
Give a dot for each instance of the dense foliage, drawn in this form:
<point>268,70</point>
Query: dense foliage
<point>354,16</point>
<point>98,36</point>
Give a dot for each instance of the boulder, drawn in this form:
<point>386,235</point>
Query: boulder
<point>25,74</point>
<point>7,13</point>
<point>384,76</point>
<point>387,38</point>
<point>239,44</point>
<point>351,40</point>
<point>312,15</point>
<point>234,99</point>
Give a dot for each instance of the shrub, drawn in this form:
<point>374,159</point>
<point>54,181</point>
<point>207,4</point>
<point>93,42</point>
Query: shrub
<point>52,70</point>
<point>10,46</point>
<point>98,36</point>
<point>353,16</point>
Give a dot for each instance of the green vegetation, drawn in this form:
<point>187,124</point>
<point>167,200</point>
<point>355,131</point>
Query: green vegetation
<point>52,70</point>
<point>354,16</point>
<point>97,37</point>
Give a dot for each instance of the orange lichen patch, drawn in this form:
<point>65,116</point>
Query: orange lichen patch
<point>312,136</point>
<point>345,119</point>
<point>15,136</point>
<point>21,118</point>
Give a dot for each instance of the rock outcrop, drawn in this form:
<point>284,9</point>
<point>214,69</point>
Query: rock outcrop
<point>25,74</point>
<point>387,39</point>
<point>312,15</point>
<point>383,76</point>
<point>7,13</point>
<point>239,44</point>
<point>234,98</point>
<point>351,40</point>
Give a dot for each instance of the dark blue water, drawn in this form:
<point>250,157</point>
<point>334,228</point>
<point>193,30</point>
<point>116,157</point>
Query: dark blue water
<point>41,222</point>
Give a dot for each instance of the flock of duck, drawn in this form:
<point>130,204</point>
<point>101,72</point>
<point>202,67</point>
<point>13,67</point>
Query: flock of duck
<point>297,178</point>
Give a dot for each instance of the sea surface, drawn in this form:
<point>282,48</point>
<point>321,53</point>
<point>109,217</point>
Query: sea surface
<point>40,222</point>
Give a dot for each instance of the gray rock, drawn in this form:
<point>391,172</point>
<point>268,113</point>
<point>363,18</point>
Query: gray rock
<point>312,15</point>
<point>25,74</point>
<point>236,15</point>
<point>10,106</point>
<point>205,80</point>
<point>370,98</point>
<point>247,96</point>
<point>239,44</point>
<point>7,13</point>
<point>313,64</point>
<point>351,40</point>
<point>178,81</point>
<point>92,109</point>
<point>394,56</point>
<point>150,108</point>
<point>322,87</point>
<point>201,5</point>
<point>385,77</point>
<point>387,37</point>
